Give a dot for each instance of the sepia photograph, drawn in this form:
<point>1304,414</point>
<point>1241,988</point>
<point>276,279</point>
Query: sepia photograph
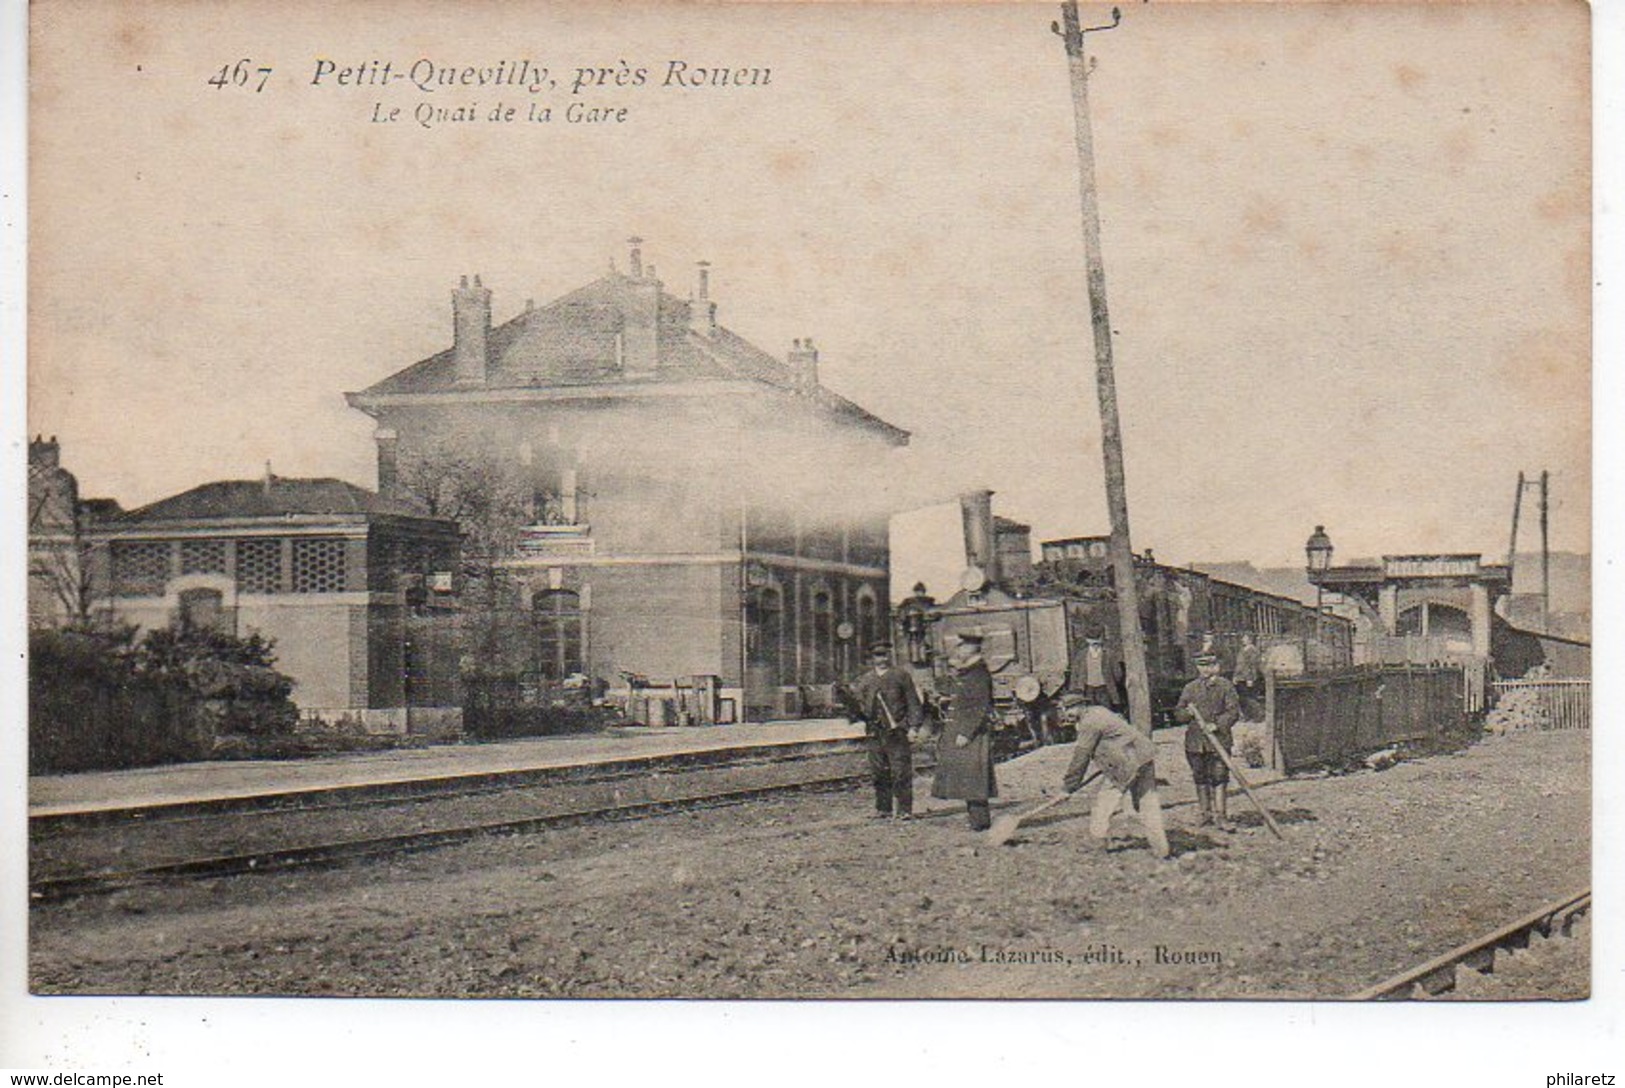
<point>809,501</point>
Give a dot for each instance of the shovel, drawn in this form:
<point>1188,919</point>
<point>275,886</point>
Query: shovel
<point>1005,827</point>
<point>1241,779</point>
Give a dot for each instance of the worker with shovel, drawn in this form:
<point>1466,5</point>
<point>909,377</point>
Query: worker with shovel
<point>1127,757</point>
<point>1212,699</point>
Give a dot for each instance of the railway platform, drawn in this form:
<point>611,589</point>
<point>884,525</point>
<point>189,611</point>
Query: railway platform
<point>211,784</point>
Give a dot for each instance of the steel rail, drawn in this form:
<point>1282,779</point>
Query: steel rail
<point>1439,974</point>
<point>58,888</point>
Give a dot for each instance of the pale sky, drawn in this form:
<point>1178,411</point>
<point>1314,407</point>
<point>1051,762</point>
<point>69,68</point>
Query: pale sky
<point>1347,249</point>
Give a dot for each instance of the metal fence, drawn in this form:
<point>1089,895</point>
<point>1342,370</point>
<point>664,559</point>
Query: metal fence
<point>1327,718</point>
<point>1553,703</point>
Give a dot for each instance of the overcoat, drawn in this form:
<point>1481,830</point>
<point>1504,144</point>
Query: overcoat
<point>966,774</point>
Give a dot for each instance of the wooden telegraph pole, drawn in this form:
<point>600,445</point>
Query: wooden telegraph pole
<point>1111,436</point>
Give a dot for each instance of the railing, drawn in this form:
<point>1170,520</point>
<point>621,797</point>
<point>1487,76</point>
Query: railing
<point>1558,704</point>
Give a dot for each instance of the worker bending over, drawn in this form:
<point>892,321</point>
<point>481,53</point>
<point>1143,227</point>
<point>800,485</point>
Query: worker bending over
<point>1126,757</point>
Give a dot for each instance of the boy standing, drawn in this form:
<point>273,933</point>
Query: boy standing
<point>1215,699</point>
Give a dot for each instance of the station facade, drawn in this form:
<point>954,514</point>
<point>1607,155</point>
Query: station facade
<point>656,500</point>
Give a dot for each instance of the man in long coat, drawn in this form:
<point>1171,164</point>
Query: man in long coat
<point>885,698</point>
<point>1215,699</point>
<point>1127,757</point>
<point>965,749</point>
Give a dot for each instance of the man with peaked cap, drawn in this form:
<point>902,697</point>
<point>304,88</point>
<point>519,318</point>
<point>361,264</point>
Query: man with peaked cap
<point>1215,699</point>
<point>965,749</point>
<point>885,698</point>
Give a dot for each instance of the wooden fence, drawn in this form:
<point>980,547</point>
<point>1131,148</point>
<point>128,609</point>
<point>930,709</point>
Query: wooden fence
<point>1555,703</point>
<point>1330,717</point>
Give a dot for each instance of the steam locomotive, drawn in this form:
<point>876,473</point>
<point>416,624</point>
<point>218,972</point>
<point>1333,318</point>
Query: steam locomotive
<point>1034,617</point>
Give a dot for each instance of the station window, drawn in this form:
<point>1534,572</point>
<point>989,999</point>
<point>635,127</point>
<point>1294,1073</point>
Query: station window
<point>318,565</point>
<point>259,566</point>
<point>558,621</point>
<point>203,557</point>
<point>822,642</point>
<point>140,568</point>
<point>765,628</point>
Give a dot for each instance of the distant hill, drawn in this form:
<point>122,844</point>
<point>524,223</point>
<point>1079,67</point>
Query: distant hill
<point>1282,581</point>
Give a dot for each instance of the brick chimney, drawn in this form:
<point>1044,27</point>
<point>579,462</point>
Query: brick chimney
<point>803,360</point>
<point>640,330</point>
<point>471,328</point>
<point>44,452</point>
<point>702,312</point>
<point>389,443</point>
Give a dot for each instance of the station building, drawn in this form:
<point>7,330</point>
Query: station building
<point>661,500</point>
<point>358,591</point>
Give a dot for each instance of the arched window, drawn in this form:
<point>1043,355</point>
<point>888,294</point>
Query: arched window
<point>869,631</point>
<point>203,610</point>
<point>558,620</point>
<point>765,629</point>
<point>823,637</point>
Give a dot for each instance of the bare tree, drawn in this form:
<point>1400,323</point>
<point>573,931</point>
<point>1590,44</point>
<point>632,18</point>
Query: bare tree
<point>463,481</point>
<point>58,557</point>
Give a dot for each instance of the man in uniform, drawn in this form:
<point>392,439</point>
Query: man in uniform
<point>884,696</point>
<point>1215,699</point>
<point>965,749</point>
<point>1126,757</point>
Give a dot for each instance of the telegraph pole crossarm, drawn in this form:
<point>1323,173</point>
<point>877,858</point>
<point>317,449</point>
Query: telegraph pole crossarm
<point>1071,32</point>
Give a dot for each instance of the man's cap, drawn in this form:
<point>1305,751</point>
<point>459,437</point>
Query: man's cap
<point>1094,631</point>
<point>974,638</point>
<point>1207,659</point>
<point>880,649</point>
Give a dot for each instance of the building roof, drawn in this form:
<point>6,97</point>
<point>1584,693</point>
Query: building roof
<point>570,344</point>
<point>272,496</point>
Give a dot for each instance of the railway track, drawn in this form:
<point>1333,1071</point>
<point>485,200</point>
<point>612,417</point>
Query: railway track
<point>98,852</point>
<point>106,852</point>
<point>1441,975</point>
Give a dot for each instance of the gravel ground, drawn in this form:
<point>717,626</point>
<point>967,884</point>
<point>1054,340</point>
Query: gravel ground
<point>799,896</point>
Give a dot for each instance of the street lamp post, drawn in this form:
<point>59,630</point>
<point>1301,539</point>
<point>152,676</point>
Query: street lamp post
<point>1318,551</point>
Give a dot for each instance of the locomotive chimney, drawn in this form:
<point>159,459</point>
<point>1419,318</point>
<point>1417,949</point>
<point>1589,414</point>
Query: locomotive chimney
<point>976,514</point>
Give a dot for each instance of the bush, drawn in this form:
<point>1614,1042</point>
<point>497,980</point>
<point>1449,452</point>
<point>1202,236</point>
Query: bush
<point>99,699</point>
